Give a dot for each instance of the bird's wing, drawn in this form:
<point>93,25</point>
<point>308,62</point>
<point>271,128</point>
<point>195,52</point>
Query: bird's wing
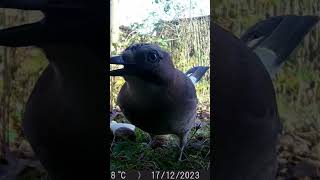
<point>274,39</point>
<point>196,73</point>
<point>182,89</point>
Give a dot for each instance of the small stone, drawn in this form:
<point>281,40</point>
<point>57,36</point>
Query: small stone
<point>125,133</point>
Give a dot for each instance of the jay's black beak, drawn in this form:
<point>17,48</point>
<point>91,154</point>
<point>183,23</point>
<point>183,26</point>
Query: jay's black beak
<point>117,60</point>
<point>22,35</point>
<point>126,70</point>
<point>64,20</point>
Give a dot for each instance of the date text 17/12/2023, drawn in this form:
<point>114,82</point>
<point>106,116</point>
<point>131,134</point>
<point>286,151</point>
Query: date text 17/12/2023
<point>160,175</point>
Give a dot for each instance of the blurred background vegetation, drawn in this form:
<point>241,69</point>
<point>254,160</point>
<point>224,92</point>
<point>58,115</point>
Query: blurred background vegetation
<point>297,85</point>
<point>19,70</point>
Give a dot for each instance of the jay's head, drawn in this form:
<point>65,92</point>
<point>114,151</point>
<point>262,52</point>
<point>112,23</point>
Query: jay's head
<point>64,21</point>
<point>147,62</point>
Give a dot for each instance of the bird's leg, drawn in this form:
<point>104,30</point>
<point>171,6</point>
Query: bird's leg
<point>151,138</point>
<point>183,142</point>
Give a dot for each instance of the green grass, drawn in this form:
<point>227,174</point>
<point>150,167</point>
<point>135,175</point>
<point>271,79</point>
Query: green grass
<point>128,155</point>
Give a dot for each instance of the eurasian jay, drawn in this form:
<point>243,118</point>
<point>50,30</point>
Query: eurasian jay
<point>157,97</point>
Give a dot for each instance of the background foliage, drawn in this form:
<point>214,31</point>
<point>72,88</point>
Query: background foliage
<point>19,70</point>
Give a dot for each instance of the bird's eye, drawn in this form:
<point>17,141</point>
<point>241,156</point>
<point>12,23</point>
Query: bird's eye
<point>153,57</point>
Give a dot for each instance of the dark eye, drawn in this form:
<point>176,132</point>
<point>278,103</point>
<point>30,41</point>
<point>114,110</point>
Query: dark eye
<point>153,57</point>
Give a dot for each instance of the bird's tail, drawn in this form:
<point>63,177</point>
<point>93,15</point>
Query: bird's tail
<point>274,39</point>
<point>196,73</point>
